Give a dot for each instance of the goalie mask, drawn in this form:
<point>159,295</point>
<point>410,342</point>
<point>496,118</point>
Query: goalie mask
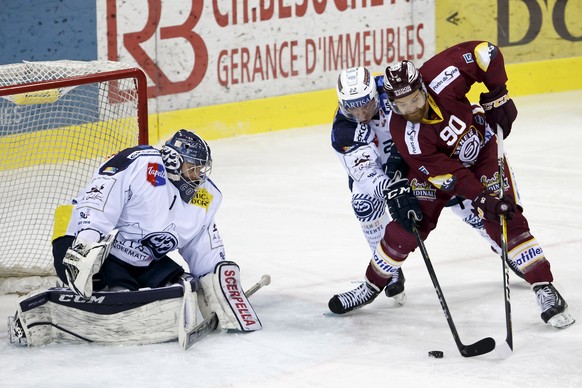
<point>188,162</point>
<point>357,94</point>
<point>406,92</point>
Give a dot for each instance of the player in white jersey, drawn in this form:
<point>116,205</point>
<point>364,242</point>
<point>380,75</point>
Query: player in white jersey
<point>364,146</point>
<point>140,205</point>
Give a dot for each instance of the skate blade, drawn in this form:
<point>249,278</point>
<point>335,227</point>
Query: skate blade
<point>400,299</point>
<point>562,320</point>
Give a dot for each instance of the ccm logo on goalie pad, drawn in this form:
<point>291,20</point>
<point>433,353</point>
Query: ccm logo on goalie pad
<point>237,299</point>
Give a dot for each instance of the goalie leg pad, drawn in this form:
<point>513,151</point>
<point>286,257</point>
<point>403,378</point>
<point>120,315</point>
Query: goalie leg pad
<point>131,317</point>
<point>221,292</point>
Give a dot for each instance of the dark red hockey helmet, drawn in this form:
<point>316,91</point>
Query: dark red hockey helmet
<point>401,80</point>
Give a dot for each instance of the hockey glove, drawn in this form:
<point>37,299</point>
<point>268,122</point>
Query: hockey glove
<point>488,206</point>
<point>83,260</point>
<point>402,203</point>
<point>395,164</point>
<point>499,109</point>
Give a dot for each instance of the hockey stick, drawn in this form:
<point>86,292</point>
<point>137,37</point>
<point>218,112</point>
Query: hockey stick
<point>504,255</point>
<point>480,347</point>
<point>210,323</point>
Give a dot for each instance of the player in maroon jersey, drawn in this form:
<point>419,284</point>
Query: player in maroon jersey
<point>450,148</point>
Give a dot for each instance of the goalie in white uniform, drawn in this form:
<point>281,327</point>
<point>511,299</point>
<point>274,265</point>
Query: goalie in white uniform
<point>141,204</point>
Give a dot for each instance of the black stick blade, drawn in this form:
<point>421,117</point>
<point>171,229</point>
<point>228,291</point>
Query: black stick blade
<point>478,348</point>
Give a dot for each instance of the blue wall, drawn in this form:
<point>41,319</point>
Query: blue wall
<point>46,30</point>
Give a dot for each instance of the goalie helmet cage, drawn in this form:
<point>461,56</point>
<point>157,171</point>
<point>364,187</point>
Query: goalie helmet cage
<point>59,121</point>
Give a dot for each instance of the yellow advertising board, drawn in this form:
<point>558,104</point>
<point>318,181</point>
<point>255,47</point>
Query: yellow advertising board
<point>541,40</point>
<point>525,30</point>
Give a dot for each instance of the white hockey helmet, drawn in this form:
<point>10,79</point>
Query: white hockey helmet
<point>357,94</point>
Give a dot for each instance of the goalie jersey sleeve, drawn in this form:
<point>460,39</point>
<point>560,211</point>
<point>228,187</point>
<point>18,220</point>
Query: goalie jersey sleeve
<point>130,192</point>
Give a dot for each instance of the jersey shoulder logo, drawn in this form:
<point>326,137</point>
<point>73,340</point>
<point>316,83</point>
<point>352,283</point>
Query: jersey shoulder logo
<point>156,174</point>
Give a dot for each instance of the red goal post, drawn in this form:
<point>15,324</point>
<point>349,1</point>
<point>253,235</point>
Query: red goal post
<point>59,121</point>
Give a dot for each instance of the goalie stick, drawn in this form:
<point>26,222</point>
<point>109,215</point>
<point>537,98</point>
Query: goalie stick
<point>480,347</point>
<point>210,323</point>
<point>504,256</point>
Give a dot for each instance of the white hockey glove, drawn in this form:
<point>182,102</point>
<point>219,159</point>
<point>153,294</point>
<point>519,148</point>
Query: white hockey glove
<point>83,260</point>
<point>221,292</point>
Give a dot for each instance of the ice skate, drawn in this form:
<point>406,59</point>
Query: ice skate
<point>395,288</point>
<point>362,295</point>
<point>554,307</point>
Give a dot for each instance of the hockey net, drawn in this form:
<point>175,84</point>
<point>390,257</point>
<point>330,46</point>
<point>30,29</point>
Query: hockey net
<point>58,122</point>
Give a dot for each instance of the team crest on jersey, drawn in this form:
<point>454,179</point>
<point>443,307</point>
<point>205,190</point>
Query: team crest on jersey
<point>159,243</point>
<point>156,174</point>
<point>468,147</point>
<point>202,198</point>
<point>423,190</point>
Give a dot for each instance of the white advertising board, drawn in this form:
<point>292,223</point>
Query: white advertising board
<point>206,52</point>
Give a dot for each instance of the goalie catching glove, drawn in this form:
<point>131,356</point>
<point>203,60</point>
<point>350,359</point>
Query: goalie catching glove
<point>221,293</point>
<point>83,260</point>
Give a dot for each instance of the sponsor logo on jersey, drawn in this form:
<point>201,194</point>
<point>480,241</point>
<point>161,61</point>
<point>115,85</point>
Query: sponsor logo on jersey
<point>137,154</point>
<point>468,58</point>
<point>156,174</point>
<point>202,198</point>
<point>492,184</point>
<point>423,190</point>
<point>215,239</point>
<point>361,134</point>
<point>445,78</point>
<point>98,192</point>
<point>411,138</point>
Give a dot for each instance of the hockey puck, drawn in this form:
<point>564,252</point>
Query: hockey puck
<point>436,354</point>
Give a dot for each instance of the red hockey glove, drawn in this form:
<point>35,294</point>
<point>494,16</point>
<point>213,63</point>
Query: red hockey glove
<point>499,109</point>
<point>489,207</point>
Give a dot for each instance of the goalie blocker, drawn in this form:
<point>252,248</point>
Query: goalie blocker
<point>134,317</point>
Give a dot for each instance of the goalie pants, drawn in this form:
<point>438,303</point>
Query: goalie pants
<point>116,273</point>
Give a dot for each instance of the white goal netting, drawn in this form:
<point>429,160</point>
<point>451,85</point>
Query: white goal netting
<point>58,121</point>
